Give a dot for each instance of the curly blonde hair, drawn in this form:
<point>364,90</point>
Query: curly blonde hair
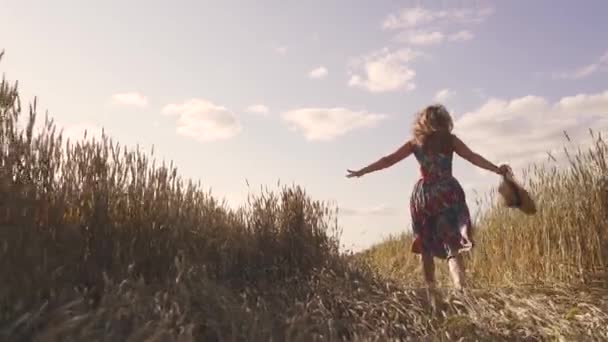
<point>433,128</point>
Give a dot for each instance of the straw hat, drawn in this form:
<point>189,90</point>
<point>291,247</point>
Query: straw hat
<point>514,195</point>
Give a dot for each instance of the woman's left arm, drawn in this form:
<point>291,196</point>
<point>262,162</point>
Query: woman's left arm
<point>386,161</point>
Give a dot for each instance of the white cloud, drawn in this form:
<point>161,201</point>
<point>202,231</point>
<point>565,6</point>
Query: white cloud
<point>130,99</point>
<point>318,73</point>
<point>407,18</point>
<point>258,109</point>
<point>524,129</point>
<point>422,26</point>
<point>411,17</point>
<point>461,36</point>
<point>389,69</point>
<point>379,210</point>
<point>323,124</point>
<point>421,37</point>
<point>384,71</point>
<point>585,104</point>
<point>443,95</point>
<point>599,65</point>
<point>281,50</point>
<point>203,120</point>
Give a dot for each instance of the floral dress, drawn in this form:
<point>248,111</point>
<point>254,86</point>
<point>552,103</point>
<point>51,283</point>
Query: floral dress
<point>440,216</point>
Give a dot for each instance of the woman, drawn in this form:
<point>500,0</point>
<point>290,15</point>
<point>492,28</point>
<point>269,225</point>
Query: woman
<point>440,216</point>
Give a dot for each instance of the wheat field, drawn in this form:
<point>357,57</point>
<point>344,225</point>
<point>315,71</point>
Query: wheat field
<point>100,242</point>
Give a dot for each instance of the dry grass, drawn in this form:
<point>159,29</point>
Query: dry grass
<point>101,243</point>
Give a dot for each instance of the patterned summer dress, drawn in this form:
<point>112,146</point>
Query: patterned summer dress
<point>440,215</point>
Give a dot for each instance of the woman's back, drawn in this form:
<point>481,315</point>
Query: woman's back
<point>435,155</point>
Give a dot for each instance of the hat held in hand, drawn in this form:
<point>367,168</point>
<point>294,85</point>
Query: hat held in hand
<point>514,195</point>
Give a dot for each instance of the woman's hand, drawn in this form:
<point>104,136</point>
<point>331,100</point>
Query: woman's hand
<point>504,170</point>
<point>352,173</point>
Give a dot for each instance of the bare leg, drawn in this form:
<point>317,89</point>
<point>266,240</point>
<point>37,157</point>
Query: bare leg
<point>456,266</point>
<point>428,266</point>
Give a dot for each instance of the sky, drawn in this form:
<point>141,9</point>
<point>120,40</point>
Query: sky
<point>257,92</point>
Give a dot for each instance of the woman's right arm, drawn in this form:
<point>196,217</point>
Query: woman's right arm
<point>387,161</point>
<point>465,152</point>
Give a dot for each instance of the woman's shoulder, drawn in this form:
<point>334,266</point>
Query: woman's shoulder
<point>453,140</point>
<point>414,145</point>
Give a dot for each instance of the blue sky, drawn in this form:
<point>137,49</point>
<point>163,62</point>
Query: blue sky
<point>301,91</point>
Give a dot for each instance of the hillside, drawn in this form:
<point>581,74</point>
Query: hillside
<point>103,243</point>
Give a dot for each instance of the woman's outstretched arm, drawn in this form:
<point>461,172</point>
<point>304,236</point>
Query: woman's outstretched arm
<point>465,152</point>
<point>386,161</point>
